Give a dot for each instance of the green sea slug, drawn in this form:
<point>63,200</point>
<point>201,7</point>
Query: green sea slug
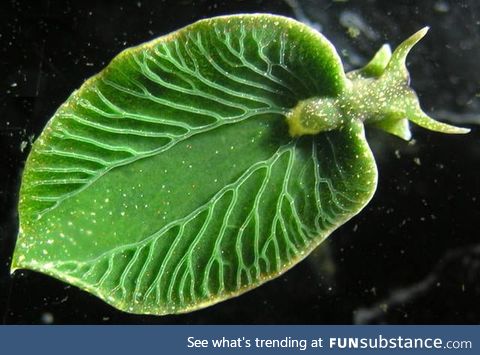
<point>206,162</point>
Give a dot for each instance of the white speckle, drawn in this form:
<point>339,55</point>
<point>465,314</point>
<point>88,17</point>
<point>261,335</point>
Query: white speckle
<point>441,6</point>
<point>47,318</point>
<point>23,145</point>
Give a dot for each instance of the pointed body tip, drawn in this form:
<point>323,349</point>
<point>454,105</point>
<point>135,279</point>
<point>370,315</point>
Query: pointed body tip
<point>417,36</point>
<point>413,39</point>
<point>431,124</point>
<point>423,31</point>
<point>386,48</point>
<point>397,65</point>
<point>461,130</point>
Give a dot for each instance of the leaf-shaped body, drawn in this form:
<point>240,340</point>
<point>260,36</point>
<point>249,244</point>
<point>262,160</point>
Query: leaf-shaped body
<point>169,181</point>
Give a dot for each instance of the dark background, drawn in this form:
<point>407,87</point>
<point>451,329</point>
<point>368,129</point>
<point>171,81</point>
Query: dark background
<point>412,256</point>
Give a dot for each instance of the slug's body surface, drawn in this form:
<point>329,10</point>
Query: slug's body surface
<point>115,197</point>
<point>378,94</point>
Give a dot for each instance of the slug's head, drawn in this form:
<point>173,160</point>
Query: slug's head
<point>377,94</point>
<point>315,115</point>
